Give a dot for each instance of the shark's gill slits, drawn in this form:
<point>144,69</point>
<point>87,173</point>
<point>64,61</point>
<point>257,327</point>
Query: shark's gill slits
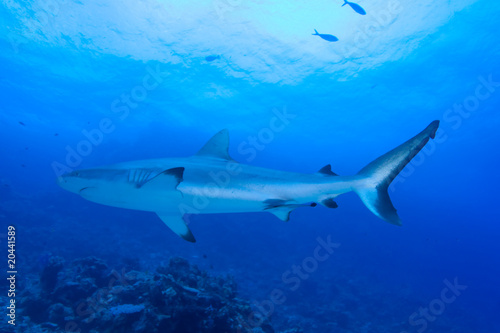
<point>139,177</point>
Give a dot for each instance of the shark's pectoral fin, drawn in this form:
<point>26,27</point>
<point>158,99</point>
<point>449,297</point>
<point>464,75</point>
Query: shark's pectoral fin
<point>170,178</point>
<point>176,223</point>
<point>282,208</point>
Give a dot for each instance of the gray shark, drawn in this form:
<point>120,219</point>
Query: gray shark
<point>212,182</point>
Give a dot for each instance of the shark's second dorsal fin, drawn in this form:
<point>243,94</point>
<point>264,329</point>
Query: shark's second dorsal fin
<point>327,171</point>
<point>217,146</point>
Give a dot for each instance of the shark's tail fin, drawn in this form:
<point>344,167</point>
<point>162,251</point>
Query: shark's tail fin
<point>378,175</point>
<point>315,33</point>
<point>345,3</point>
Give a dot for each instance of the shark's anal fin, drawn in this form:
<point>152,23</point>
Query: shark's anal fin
<point>282,208</point>
<point>170,178</point>
<point>176,223</point>
<point>327,171</point>
<point>217,146</point>
<point>330,203</point>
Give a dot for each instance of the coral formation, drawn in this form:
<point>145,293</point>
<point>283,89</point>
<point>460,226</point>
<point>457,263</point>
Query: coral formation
<point>87,296</point>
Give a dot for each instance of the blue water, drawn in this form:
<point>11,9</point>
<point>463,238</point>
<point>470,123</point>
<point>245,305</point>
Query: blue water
<point>156,79</point>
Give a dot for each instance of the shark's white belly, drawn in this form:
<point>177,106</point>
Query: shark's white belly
<point>188,198</point>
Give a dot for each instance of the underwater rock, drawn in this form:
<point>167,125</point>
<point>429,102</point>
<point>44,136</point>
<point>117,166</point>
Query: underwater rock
<point>59,314</point>
<point>69,291</point>
<point>48,277</point>
<point>176,298</point>
<point>34,307</point>
<point>181,270</point>
<point>126,314</point>
<point>91,267</point>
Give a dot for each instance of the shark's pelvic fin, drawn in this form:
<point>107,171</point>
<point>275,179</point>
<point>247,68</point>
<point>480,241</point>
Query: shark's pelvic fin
<point>217,146</point>
<point>283,213</point>
<point>282,208</point>
<point>170,178</point>
<point>327,171</point>
<point>379,174</point>
<point>176,224</point>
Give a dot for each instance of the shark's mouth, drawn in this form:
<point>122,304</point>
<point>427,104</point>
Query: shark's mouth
<point>85,188</point>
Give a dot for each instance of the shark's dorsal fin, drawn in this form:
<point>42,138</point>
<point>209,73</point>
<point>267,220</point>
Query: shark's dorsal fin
<point>176,223</point>
<point>327,171</point>
<point>217,146</point>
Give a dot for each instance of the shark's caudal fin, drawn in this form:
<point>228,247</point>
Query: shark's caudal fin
<point>379,174</point>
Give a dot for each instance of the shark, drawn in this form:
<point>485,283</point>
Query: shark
<point>211,181</point>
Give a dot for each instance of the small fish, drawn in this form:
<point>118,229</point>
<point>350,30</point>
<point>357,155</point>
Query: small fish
<point>21,123</point>
<point>330,38</point>
<point>357,8</point>
<point>211,58</point>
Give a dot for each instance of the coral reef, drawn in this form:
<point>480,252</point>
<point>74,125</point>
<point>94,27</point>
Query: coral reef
<point>87,296</point>
<point>48,278</point>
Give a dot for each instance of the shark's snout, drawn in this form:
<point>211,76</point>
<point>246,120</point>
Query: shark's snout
<point>64,178</point>
<point>61,180</point>
<point>70,181</point>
